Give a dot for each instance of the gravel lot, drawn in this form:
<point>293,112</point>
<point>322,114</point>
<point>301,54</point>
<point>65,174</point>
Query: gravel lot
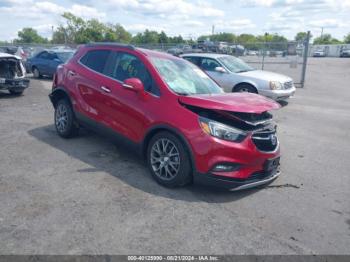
<point>90,196</point>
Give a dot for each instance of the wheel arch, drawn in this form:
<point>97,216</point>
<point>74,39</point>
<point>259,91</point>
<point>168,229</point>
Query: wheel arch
<point>245,83</point>
<point>163,127</point>
<point>58,94</point>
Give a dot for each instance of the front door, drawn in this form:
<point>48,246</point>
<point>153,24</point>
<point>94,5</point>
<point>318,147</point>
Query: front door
<point>127,112</point>
<point>222,78</point>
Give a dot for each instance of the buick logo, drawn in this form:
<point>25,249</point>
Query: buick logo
<point>273,139</point>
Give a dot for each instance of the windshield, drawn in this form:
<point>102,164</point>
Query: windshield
<point>184,78</point>
<point>64,56</point>
<point>235,65</point>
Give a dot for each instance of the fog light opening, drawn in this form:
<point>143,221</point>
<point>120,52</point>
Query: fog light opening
<point>226,167</point>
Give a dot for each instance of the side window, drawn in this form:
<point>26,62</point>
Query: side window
<point>52,56</point>
<point>128,66</point>
<point>44,55</point>
<point>95,59</point>
<point>193,60</point>
<point>209,64</point>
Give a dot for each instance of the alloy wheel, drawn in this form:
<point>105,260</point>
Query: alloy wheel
<point>61,118</point>
<point>165,159</point>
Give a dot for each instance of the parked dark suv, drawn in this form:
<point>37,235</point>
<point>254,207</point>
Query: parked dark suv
<point>174,114</point>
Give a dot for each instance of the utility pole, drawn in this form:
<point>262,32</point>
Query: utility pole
<point>65,36</point>
<point>306,54</point>
<point>264,51</point>
<point>212,29</point>
<point>321,32</point>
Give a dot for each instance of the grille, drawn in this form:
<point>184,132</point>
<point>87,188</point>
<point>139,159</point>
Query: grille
<point>265,141</point>
<point>288,85</point>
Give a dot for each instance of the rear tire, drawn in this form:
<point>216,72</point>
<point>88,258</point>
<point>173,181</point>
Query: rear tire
<point>245,88</point>
<point>168,160</point>
<point>65,122</point>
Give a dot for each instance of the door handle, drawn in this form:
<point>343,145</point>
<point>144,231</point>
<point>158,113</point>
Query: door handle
<point>126,86</point>
<point>107,90</point>
<point>71,73</point>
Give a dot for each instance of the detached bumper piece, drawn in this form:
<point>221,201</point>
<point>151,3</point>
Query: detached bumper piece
<point>14,84</point>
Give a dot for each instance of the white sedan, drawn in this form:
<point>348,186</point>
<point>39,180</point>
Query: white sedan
<point>234,75</point>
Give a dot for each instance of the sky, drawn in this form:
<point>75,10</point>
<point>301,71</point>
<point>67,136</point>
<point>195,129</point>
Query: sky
<point>188,18</point>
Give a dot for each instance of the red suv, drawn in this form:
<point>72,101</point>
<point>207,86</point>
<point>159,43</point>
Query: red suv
<point>176,116</point>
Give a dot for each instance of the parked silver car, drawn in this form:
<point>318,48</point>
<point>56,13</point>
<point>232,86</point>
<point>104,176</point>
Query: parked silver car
<point>234,75</point>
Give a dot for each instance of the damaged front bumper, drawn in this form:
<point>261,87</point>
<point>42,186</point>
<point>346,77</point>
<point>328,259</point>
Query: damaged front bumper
<point>17,84</point>
<point>233,184</point>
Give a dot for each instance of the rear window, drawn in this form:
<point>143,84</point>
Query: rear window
<point>95,59</point>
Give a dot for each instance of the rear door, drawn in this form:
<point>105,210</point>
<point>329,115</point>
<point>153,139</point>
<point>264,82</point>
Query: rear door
<point>89,80</point>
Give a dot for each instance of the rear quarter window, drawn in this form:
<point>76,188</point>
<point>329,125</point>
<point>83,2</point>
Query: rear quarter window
<point>95,60</point>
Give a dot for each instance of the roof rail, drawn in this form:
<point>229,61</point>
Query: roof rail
<point>110,44</point>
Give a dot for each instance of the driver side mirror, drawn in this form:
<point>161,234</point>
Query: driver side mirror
<point>220,69</point>
<point>133,84</point>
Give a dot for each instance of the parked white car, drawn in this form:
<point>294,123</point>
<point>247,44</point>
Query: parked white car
<point>319,53</point>
<point>234,75</point>
<point>12,74</point>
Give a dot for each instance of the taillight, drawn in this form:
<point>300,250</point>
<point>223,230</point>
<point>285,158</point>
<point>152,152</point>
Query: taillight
<point>54,81</point>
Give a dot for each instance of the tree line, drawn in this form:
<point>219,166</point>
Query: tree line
<point>76,30</point>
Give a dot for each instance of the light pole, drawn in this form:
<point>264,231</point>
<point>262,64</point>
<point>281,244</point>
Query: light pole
<point>264,51</point>
<point>52,33</point>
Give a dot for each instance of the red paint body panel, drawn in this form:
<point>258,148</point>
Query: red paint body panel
<point>133,114</point>
<point>235,102</point>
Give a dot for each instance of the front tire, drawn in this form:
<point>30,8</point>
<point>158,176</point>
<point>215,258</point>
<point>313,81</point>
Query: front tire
<point>168,160</point>
<point>36,73</point>
<point>65,122</point>
<point>245,88</point>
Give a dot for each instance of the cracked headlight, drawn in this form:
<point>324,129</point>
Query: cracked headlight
<point>221,131</point>
<point>275,85</point>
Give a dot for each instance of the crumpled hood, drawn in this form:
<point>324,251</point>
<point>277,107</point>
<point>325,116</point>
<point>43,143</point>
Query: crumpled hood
<point>266,75</point>
<point>6,55</point>
<point>234,102</point>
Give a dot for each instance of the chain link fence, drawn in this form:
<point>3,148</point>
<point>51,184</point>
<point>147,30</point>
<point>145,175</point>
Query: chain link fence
<point>287,58</point>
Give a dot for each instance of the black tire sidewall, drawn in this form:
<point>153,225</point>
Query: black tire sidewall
<point>184,175</point>
<point>250,88</point>
<point>71,128</point>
